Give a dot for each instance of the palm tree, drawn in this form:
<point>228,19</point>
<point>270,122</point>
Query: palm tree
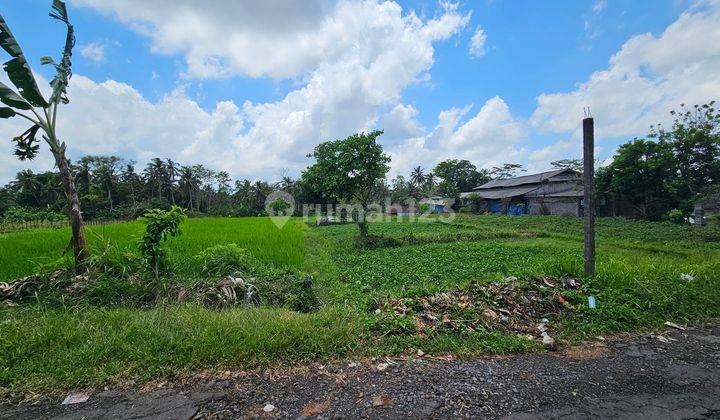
<point>155,175</point>
<point>428,187</point>
<point>171,172</point>
<point>417,177</point>
<point>27,186</point>
<point>106,177</point>
<point>188,185</point>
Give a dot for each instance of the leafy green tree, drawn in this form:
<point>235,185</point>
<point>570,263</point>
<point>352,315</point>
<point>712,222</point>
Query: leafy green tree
<point>30,104</point>
<point>401,190</point>
<point>694,138</point>
<point>160,225</point>
<point>508,170</point>
<point>572,164</point>
<point>671,172</point>
<point>639,175</point>
<point>349,170</point>
<point>458,176</point>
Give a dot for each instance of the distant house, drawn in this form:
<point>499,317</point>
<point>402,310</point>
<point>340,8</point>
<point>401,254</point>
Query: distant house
<point>556,192</point>
<point>438,204</point>
<point>706,207</point>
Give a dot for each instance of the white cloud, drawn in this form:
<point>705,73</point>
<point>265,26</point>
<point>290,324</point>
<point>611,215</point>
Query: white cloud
<point>477,43</point>
<point>94,52</point>
<point>346,89</point>
<point>114,118</point>
<point>227,38</point>
<point>489,138</point>
<point>599,6</point>
<point>401,124</point>
<point>648,77</point>
<point>360,87</point>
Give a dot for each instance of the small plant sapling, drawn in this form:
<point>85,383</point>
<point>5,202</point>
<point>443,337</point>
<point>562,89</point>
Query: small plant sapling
<point>159,226</point>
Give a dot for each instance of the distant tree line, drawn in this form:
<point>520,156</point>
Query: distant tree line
<point>668,171</point>
<point>111,187</point>
<point>671,169</point>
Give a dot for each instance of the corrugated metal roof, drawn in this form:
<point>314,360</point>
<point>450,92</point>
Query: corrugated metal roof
<point>499,193</point>
<point>521,180</point>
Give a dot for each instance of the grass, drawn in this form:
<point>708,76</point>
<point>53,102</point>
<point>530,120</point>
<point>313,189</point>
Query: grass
<point>637,285</point>
<point>64,348</point>
<point>24,253</point>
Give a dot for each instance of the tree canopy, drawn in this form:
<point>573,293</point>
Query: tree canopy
<point>349,170</point>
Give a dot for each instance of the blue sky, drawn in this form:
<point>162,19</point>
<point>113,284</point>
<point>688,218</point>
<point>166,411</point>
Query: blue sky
<point>253,93</point>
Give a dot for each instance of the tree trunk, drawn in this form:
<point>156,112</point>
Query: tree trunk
<point>363,226</point>
<point>80,250</point>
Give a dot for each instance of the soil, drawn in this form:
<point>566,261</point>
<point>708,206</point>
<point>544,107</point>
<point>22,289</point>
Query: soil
<point>668,374</point>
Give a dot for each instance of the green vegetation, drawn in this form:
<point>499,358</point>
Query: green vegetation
<point>356,301</point>
<point>160,225</point>
<point>25,253</point>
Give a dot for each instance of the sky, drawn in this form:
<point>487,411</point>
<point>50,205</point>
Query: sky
<point>251,86</point>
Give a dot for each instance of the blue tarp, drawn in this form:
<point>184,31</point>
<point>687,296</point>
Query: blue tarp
<point>495,206</point>
<point>515,209</point>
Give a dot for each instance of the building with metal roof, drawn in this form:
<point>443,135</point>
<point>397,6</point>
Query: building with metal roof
<point>557,192</point>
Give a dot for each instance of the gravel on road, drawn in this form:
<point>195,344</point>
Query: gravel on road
<point>668,374</point>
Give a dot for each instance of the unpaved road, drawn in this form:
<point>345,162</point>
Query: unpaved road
<point>675,376</point>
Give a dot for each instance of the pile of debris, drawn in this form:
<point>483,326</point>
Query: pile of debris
<point>230,291</point>
<point>16,290</point>
<point>521,307</point>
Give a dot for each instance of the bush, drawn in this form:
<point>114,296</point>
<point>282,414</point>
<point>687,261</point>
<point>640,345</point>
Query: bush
<point>676,216</point>
<point>223,260</point>
<point>20,214</point>
<point>287,288</point>
<point>159,226</point>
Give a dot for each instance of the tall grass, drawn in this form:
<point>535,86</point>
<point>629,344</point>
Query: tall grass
<point>54,348</point>
<point>24,253</point>
<point>637,285</point>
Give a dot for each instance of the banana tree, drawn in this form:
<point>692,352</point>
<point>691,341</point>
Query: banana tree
<point>29,103</point>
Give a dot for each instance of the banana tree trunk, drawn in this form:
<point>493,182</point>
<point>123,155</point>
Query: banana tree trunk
<point>79,244</point>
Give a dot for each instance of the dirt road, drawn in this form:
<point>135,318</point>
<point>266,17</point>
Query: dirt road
<point>671,374</point>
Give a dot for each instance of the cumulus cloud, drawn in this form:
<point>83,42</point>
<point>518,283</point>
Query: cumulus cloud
<point>489,138</point>
<point>353,60</point>
<point>374,51</point>
<point>221,39</point>
<point>648,77</point>
<point>477,43</point>
<point>114,118</point>
<point>94,52</point>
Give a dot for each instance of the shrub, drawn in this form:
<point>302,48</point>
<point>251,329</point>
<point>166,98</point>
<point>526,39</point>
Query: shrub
<point>159,226</point>
<point>223,260</point>
<point>676,216</point>
<point>287,288</point>
<point>20,214</point>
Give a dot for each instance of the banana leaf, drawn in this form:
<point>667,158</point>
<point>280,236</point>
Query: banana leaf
<point>9,97</point>
<point>64,68</point>
<point>18,69</point>
<point>6,112</point>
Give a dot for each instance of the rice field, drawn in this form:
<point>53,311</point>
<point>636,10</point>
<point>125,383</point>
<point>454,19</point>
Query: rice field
<point>639,285</point>
<point>27,252</point>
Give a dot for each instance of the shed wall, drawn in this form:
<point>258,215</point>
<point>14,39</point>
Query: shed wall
<point>565,206</point>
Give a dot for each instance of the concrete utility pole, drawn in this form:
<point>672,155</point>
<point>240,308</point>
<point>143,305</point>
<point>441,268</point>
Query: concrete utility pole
<point>589,196</point>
